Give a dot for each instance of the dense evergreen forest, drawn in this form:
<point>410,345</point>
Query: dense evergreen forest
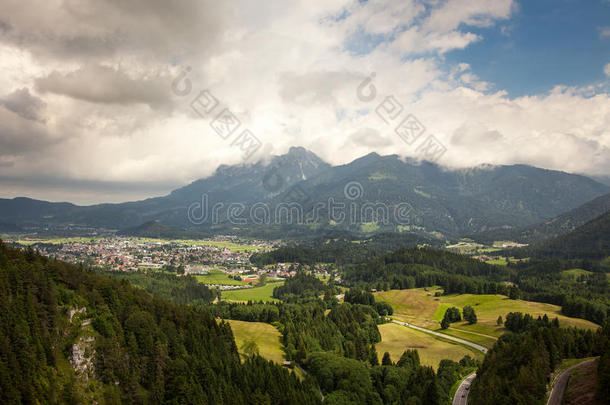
<point>340,248</point>
<point>420,267</point>
<point>347,330</point>
<point>303,285</point>
<point>589,241</point>
<point>135,348</point>
<point>309,324</point>
<point>178,289</point>
<point>517,369</point>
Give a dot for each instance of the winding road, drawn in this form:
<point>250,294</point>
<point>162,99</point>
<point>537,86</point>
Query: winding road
<point>561,382</point>
<point>461,395</point>
<point>444,336</point>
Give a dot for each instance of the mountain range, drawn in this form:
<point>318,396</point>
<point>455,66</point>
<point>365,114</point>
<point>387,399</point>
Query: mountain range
<point>433,200</point>
<point>560,225</point>
<point>591,240</point>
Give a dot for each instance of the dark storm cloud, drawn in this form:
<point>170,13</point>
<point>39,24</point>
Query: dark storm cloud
<point>100,28</point>
<point>20,135</point>
<point>103,84</point>
<point>24,104</point>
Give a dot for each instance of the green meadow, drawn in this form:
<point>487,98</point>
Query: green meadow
<point>266,337</point>
<point>395,339</point>
<point>218,277</point>
<point>422,308</point>
<point>263,293</point>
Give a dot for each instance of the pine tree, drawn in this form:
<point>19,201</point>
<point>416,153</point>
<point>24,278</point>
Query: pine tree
<point>249,348</point>
<point>469,314</point>
<point>373,356</point>
<point>386,360</point>
<point>409,359</point>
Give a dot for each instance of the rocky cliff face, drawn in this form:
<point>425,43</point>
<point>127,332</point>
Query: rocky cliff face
<point>82,354</point>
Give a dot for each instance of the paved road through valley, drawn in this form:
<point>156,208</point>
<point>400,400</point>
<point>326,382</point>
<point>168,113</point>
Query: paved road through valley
<point>444,336</point>
<point>461,395</point>
<point>560,383</point>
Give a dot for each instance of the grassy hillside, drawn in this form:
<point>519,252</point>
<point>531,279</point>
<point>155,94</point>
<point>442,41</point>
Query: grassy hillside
<point>395,339</point>
<point>575,273</point>
<point>266,336</point>
<point>423,308</point>
<point>218,277</point>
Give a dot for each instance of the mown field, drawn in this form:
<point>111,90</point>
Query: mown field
<point>475,337</point>
<point>263,293</point>
<point>265,335</point>
<point>218,277</point>
<point>395,339</point>
<point>57,241</point>
<point>468,246</point>
<point>234,247</point>
<point>422,308</point>
<point>575,273</point>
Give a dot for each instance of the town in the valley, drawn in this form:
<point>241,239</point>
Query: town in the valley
<point>227,254</point>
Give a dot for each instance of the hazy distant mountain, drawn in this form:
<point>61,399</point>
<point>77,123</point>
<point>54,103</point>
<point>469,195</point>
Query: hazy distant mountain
<point>153,229</point>
<point>11,228</point>
<point>439,201</point>
<point>253,183</point>
<point>559,225</point>
<point>588,241</point>
<point>602,179</point>
<point>240,183</point>
<point>459,201</point>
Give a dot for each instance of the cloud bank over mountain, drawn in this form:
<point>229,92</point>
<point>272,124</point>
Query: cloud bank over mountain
<point>89,113</point>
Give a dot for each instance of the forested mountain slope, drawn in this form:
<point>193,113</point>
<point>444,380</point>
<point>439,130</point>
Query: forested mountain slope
<point>72,336</point>
<point>554,227</point>
<point>591,241</point>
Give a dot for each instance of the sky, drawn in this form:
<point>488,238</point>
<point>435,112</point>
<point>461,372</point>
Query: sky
<point>114,100</point>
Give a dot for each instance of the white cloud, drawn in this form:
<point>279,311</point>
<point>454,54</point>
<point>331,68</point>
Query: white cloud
<point>415,41</point>
<point>286,68</point>
<point>478,13</point>
<point>607,70</point>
